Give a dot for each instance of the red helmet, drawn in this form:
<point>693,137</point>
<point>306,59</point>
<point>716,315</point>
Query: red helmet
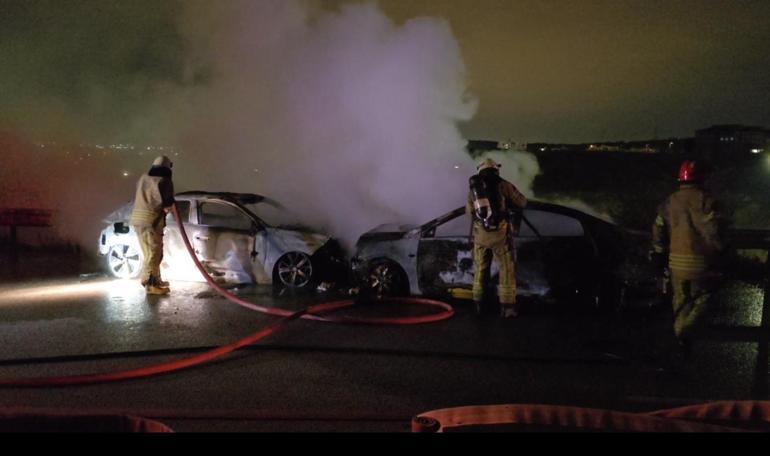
<point>690,171</point>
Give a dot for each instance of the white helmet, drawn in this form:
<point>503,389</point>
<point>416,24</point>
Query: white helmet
<point>488,163</point>
<point>163,161</point>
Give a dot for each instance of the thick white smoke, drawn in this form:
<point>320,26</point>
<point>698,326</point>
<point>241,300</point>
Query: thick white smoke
<point>344,117</point>
<point>521,168</point>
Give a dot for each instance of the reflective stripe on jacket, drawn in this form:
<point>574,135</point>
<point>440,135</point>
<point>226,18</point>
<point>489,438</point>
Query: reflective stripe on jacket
<point>687,228</point>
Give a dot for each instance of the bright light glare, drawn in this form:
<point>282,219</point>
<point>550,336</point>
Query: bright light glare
<point>60,291</point>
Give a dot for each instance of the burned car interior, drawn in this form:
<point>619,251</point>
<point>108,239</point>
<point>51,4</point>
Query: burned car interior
<point>561,253</point>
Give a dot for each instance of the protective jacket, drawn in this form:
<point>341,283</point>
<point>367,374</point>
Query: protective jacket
<point>687,228</point>
<point>154,191</point>
<point>510,199</point>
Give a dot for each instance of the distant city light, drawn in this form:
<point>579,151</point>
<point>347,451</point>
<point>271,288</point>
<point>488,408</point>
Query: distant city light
<point>125,173</point>
<point>457,166</point>
<point>756,151</point>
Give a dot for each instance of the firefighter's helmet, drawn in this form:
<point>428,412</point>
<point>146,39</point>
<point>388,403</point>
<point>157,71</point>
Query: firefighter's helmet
<point>690,172</point>
<point>163,161</point>
<point>488,163</point>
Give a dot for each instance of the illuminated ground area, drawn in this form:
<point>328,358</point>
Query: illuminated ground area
<point>316,376</point>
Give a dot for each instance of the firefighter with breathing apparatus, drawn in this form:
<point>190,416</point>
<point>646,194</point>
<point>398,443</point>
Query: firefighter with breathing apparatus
<point>495,206</point>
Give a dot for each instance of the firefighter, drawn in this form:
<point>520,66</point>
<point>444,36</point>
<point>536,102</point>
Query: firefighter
<point>154,198</point>
<point>686,236</point>
<point>492,201</point>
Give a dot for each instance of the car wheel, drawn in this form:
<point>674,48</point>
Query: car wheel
<point>294,270</point>
<point>385,278</point>
<point>124,262</point>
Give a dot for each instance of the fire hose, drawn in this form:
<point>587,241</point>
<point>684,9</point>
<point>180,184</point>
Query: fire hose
<point>311,313</point>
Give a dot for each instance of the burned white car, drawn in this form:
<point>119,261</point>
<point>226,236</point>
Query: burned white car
<point>562,254</point>
<point>233,240</point>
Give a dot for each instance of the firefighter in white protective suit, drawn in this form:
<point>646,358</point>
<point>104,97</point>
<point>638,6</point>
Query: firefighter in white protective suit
<point>154,199</point>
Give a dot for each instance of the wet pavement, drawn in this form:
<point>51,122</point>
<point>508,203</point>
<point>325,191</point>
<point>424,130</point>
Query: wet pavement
<point>331,377</point>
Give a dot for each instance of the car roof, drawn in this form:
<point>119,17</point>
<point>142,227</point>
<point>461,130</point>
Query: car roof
<point>242,198</point>
<point>531,204</point>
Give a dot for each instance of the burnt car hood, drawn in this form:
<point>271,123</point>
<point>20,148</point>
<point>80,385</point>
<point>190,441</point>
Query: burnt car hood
<point>298,240</point>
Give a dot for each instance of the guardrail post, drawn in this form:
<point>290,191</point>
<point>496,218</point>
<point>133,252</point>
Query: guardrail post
<point>763,342</point>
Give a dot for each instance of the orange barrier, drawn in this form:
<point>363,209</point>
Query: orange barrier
<point>731,416</point>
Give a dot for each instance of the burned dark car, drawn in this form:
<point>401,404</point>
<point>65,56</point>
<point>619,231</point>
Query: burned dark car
<point>563,255</point>
<point>233,241</point>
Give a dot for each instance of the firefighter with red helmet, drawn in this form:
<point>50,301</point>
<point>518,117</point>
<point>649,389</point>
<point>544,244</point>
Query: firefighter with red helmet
<point>686,236</point>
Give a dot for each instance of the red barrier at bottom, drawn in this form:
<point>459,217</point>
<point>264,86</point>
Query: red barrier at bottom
<point>729,416</point>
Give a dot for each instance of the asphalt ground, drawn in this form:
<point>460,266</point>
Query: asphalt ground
<point>359,378</point>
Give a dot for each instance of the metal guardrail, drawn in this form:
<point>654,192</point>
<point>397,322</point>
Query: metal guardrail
<point>25,217</point>
<point>758,240</point>
<point>16,217</point>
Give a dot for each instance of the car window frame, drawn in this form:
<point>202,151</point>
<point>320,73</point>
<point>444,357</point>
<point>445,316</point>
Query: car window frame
<point>172,219</point>
<point>538,231</point>
<point>428,229</point>
<point>255,225</point>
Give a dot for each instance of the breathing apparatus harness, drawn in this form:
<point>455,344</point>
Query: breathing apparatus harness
<point>485,196</point>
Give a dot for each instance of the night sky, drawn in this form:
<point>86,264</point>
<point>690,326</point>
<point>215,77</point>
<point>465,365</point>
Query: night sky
<point>574,71</point>
<point>559,71</point>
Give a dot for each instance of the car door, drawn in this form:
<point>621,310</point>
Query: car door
<point>176,263</point>
<point>445,257</point>
<point>567,255</point>
<point>445,254</point>
<point>228,242</point>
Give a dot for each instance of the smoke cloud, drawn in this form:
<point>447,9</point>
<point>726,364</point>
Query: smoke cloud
<point>346,118</point>
<point>521,168</point>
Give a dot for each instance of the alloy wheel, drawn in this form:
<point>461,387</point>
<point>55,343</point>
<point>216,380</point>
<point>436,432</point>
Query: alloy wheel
<point>295,270</point>
<point>124,261</point>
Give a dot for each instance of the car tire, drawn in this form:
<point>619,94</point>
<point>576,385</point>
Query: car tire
<point>385,278</point>
<point>293,270</point>
<point>124,262</point>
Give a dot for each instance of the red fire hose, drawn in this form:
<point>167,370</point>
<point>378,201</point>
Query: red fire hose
<point>311,313</point>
